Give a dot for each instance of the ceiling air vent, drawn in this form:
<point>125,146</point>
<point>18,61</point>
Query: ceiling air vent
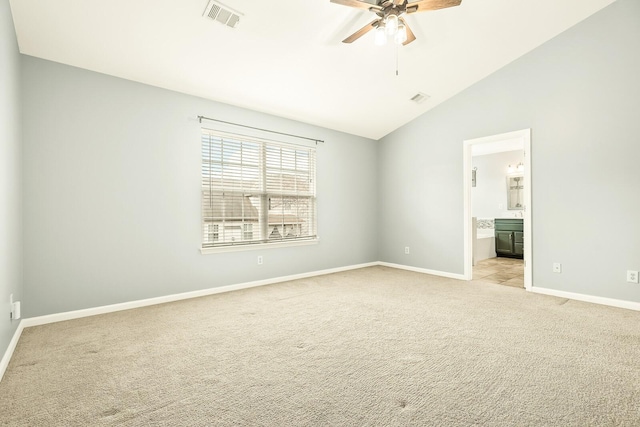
<point>419,98</point>
<point>223,14</point>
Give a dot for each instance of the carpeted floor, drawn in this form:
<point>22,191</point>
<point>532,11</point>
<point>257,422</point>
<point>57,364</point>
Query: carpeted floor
<point>369,347</point>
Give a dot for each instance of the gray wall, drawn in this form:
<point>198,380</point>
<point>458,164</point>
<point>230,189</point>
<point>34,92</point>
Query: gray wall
<point>10,174</point>
<point>580,95</point>
<point>112,178</point>
<point>489,196</point>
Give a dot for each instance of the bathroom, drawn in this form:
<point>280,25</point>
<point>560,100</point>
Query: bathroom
<point>497,209</point>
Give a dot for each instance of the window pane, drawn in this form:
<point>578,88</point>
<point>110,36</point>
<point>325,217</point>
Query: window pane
<point>255,191</point>
<point>290,217</point>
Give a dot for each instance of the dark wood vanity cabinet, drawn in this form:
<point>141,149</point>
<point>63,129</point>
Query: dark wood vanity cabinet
<point>518,244</point>
<point>509,237</point>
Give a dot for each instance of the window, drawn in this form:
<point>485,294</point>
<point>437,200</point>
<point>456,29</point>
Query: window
<point>211,233</point>
<point>248,232</point>
<point>256,191</point>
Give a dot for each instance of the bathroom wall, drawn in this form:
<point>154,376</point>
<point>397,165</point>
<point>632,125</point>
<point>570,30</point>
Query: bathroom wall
<point>489,196</point>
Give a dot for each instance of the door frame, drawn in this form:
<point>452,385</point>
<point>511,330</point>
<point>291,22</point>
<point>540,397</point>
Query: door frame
<point>525,136</point>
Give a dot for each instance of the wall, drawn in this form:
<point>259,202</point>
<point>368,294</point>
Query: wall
<point>580,95</point>
<point>112,174</point>
<point>10,175</point>
<point>489,196</point>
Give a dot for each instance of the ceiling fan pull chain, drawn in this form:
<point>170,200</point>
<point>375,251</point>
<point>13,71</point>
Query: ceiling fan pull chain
<point>396,60</point>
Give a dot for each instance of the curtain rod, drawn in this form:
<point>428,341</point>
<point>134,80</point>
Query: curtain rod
<point>264,130</point>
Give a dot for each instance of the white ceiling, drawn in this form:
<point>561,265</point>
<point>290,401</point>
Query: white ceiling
<point>285,56</point>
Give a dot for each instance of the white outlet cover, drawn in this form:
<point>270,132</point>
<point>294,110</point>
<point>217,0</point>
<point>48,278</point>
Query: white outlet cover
<point>557,267</point>
<point>632,276</point>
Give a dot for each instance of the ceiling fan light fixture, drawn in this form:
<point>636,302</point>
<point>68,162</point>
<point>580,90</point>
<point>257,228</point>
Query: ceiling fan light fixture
<point>401,34</point>
<point>380,35</point>
<point>392,24</point>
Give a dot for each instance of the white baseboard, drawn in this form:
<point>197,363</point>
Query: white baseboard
<point>59,317</point>
<point>4,363</point>
<point>630,305</point>
<point>76,314</point>
<point>424,270</point>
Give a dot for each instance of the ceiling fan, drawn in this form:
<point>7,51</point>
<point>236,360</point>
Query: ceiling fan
<point>389,20</point>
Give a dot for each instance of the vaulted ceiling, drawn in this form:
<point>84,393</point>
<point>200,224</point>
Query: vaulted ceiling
<point>286,58</point>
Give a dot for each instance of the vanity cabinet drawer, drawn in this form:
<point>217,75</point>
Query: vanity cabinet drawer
<point>508,224</point>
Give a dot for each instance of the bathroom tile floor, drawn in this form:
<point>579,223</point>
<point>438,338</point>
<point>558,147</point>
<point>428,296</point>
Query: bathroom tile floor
<point>499,270</point>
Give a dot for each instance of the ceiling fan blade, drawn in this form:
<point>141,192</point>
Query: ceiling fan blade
<point>398,2</point>
<point>425,5</point>
<point>410,36</point>
<point>357,4</point>
<point>362,31</point>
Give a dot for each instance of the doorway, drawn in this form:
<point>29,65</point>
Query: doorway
<point>501,142</point>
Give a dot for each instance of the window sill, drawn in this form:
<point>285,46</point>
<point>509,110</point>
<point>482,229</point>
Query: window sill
<point>260,246</point>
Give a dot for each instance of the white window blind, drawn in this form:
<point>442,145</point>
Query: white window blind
<point>256,191</point>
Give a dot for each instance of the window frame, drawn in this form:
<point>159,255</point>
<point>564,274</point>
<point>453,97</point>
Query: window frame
<point>265,193</point>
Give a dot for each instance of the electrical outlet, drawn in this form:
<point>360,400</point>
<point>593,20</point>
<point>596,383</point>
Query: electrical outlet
<point>406,250</point>
<point>632,276</point>
<point>557,267</point>
<point>260,260</point>
<point>14,311</point>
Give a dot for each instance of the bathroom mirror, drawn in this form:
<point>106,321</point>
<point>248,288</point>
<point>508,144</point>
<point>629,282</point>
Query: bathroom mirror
<point>515,192</point>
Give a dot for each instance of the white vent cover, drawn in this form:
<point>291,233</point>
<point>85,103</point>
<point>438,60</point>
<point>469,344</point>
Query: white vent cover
<point>223,14</point>
<point>419,98</point>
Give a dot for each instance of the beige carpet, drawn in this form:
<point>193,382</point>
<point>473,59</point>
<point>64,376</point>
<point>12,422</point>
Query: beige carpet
<point>369,347</point>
